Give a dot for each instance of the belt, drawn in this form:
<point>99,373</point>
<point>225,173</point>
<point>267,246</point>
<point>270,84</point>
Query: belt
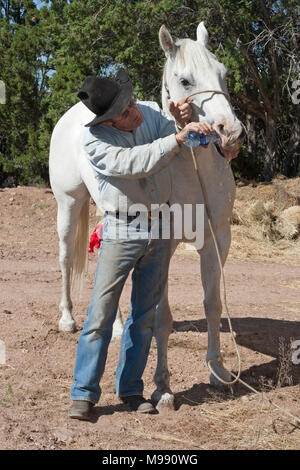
<point>130,218</point>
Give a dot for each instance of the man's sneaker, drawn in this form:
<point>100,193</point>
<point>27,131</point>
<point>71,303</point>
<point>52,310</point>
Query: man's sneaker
<point>81,409</point>
<point>138,403</point>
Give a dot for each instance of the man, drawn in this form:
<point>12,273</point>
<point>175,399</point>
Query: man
<point>129,147</point>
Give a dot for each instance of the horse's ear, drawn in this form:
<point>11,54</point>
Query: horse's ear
<point>166,41</point>
<point>202,34</point>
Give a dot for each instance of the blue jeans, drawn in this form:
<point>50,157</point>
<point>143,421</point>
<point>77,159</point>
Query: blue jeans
<point>149,260</point>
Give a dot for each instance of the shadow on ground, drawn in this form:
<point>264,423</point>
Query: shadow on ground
<point>263,335</point>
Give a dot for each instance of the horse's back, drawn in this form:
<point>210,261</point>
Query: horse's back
<point>71,124</point>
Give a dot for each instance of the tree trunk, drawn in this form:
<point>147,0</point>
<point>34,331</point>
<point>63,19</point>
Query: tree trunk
<point>269,167</point>
<point>292,160</point>
<point>251,135</point>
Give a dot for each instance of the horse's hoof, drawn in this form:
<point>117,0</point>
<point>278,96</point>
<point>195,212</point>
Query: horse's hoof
<point>215,383</point>
<point>116,337</point>
<point>67,326</point>
<point>163,401</point>
<point>117,334</point>
<point>117,330</point>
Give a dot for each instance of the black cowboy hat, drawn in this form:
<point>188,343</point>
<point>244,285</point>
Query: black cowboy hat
<point>106,97</point>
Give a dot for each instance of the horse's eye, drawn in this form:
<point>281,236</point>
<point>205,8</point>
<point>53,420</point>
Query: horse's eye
<point>185,82</point>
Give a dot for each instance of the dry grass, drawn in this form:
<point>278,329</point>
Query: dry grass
<point>266,221</point>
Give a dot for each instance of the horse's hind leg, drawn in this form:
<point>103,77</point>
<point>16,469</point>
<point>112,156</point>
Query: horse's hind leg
<point>69,208</point>
<point>163,396</point>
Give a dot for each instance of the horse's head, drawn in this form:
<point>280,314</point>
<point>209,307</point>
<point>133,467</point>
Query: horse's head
<point>191,69</point>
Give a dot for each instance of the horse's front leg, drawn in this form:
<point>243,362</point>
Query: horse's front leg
<point>163,396</point>
<point>210,276</point>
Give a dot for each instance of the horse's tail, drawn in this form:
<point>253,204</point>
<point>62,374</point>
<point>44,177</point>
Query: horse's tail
<point>80,257</point>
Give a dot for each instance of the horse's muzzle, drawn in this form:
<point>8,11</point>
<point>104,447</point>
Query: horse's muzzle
<point>231,143</point>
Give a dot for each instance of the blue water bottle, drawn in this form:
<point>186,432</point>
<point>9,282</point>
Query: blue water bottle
<point>195,139</point>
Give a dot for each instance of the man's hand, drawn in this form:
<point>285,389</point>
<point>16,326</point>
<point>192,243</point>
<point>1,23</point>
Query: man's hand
<point>181,111</point>
<point>201,127</point>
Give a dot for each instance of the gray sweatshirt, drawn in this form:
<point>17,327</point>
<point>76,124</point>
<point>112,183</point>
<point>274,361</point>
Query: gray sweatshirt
<point>133,165</point>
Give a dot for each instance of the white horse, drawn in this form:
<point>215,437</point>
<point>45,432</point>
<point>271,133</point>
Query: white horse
<point>190,68</point>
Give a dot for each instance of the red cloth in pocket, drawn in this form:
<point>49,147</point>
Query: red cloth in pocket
<point>96,237</point>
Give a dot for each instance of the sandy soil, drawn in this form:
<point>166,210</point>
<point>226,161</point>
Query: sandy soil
<point>263,282</point>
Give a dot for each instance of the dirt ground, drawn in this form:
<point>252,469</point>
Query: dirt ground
<point>263,283</point>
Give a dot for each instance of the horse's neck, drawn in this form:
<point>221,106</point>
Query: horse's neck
<point>184,169</point>
<point>215,174</point>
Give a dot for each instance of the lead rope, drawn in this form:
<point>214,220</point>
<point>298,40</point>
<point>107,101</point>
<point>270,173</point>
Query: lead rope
<point>212,361</point>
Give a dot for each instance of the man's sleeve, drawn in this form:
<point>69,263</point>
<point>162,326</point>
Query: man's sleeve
<point>137,162</point>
